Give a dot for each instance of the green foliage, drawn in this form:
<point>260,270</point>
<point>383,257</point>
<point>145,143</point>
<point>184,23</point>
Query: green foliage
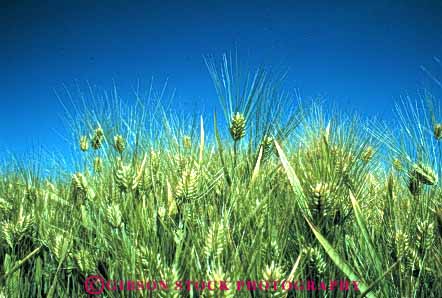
<point>274,193</point>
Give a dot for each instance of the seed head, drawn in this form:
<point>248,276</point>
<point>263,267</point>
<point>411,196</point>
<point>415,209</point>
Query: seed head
<point>437,129</point>
<point>238,126</point>
<point>97,139</point>
<point>13,233</point>
<point>320,203</point>
<point>161,212</point>
<point>99,132</point>
<point>344,160</point>
<point>187,142</point>
<point>368,153</point>
<point>424,174</point>
<point>397,164</point>
<point>425,234</point>
<point>125,178</point>
<point>215,240</point>
<point>217,274</point>
<point>402,243</point>
<point>119,143</point>
<point>314,259</point>
<point>5,206</point>
<point>272,272</point>
<point>61,246</point>
<point>320,190</point>
<point>114,215</point>
<point>154,159</point>
<point>79,186</point>
<point>98,165</point>
<point>414,186</point>
<point>187,185</point>
<point>8,233</point>
<point>84,143</point>
<point>85,261</point>
<point>267,147</point>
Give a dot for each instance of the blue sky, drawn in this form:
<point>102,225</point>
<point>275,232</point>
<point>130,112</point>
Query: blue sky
<point>361,56</point>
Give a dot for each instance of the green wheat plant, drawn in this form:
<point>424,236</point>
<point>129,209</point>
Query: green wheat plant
<point>279,188</point>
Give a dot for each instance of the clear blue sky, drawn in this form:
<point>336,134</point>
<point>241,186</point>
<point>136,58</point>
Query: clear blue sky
<point>359,54</point>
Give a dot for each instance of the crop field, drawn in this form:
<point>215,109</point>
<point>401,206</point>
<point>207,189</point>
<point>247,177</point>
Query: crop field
<point>274,196</point>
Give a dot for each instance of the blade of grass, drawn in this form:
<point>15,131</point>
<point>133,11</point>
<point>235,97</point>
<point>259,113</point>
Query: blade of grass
<point>172,208</point>
<point>257,165</point>
<point>220,151</point>
<point>370,287</point>
<point>338,260</point>
<point>20,263</point>
<point>294,180</point>
<point>64,252</point>
<point>292,273</point>
<point>364,231</point>
<point>201,140</point>
<point>140,172</point>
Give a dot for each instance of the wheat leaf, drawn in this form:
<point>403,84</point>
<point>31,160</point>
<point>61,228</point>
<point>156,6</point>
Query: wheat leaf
<point>336,258</point>
<point>293,179</point>
<point>257,165</point>
<point>220,145</point>
<point>363,228</point>
<point>201,139</point>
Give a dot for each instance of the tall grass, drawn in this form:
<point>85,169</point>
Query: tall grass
<point>283,190</point>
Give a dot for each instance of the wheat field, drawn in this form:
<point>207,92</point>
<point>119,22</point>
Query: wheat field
<point>274,188</point>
